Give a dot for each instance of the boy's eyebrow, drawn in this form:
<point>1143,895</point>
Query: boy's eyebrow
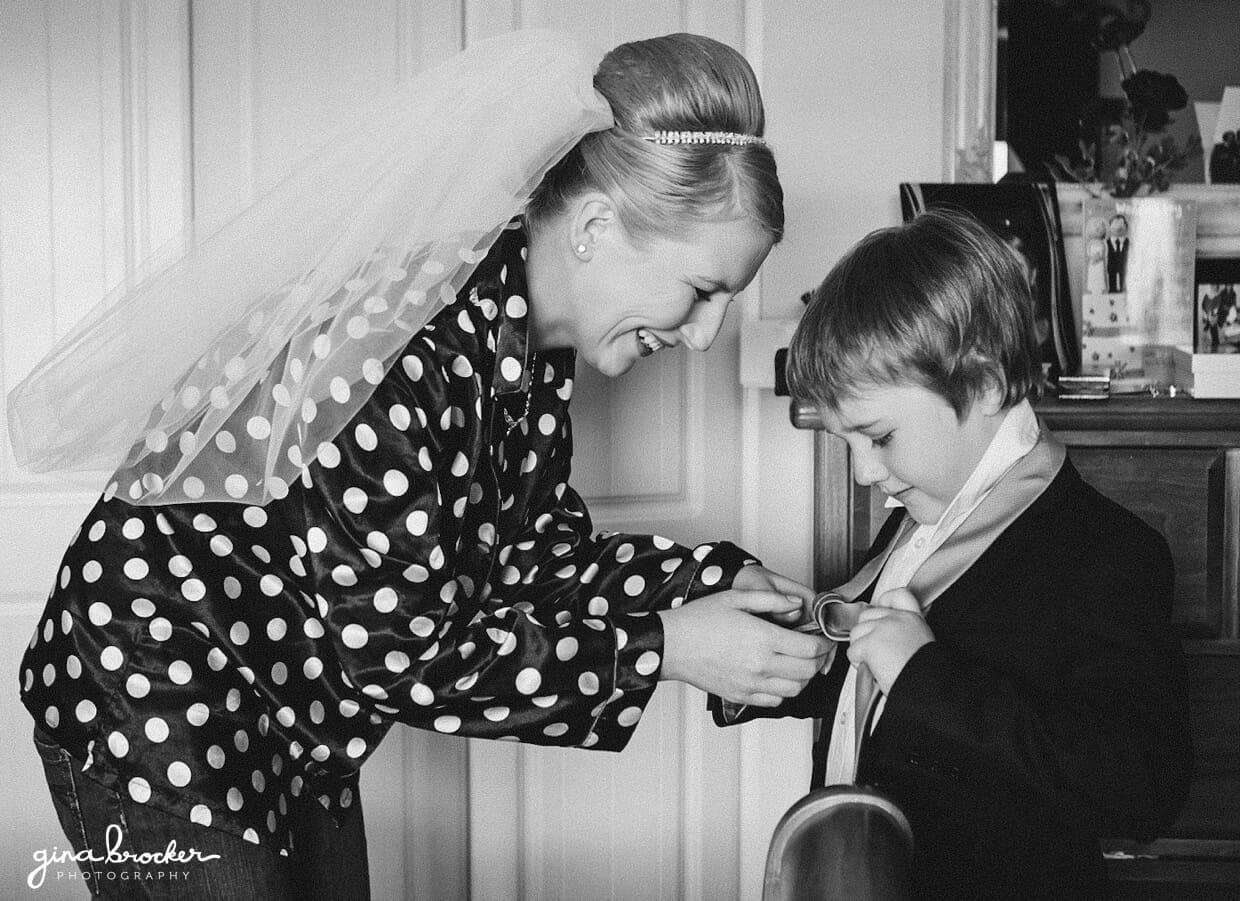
<point>859,426</point>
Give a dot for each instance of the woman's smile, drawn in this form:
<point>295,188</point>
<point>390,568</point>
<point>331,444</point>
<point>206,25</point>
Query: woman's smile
<point>616,301</point>
<point>648,343</point>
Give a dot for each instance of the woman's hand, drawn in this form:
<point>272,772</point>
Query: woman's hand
<point>759,578</point>
<point>888,633</point>
<point>722,644</point>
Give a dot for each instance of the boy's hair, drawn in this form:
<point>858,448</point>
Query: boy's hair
<point>939,301</point>
<point>677,82</point>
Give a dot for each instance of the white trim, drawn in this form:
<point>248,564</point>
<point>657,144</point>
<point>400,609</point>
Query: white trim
<point>760,339</point>
<point>495,820</point>
<point>969,89</point>
<point>693,787</point>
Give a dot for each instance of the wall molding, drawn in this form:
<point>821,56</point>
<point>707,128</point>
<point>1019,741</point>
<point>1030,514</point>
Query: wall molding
<point>614,510</point>
<point>969,90</point>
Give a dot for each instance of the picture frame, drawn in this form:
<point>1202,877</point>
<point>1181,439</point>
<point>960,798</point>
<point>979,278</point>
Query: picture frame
<point>1216,320</point>
<point>1025,216</point>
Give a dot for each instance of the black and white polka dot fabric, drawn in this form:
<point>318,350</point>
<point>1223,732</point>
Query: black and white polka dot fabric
<point>431,567</point>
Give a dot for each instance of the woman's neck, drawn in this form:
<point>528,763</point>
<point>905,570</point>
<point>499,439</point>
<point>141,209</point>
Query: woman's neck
<point>546,278</point>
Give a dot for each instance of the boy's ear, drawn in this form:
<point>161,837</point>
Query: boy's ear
<point>994,393</point>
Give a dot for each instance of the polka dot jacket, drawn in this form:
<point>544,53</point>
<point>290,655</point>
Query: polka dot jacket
<point>431,567</point>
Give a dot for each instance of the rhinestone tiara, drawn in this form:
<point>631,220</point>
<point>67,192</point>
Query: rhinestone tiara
<point>703,137</point>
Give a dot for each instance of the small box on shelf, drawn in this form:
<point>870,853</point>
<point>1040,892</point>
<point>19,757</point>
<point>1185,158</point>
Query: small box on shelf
<point>1084,387</point>
<point>1208,375</point>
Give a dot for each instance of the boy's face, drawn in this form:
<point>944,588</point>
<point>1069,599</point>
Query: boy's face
<point>907,440</point>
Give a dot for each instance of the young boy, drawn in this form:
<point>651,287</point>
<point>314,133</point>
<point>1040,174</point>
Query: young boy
<point>1013,686</point>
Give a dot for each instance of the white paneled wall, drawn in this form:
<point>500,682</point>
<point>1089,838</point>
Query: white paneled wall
<point>94,164</point>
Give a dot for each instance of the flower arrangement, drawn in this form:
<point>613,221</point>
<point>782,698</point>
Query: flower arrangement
<point>1136,155</point>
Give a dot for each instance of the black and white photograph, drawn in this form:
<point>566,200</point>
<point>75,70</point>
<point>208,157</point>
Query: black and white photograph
<point>634,450</point>
<point>1217,324</point>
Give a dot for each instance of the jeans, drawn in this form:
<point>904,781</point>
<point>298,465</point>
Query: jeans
<point>328,862</point>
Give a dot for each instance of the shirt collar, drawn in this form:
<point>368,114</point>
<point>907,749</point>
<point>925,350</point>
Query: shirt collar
<point>1015,437</point>
<point>506,287</point>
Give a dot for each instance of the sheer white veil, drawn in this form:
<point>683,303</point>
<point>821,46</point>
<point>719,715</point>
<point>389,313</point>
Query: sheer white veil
<point>219,372</point>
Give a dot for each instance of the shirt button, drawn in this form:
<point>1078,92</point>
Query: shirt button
<point>920,542</point>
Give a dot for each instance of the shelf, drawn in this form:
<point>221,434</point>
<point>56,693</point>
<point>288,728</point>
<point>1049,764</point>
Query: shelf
<point>1214,420</point>
<point>1139,413</point>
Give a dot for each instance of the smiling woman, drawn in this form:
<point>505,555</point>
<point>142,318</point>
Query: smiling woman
<point>353,508</point>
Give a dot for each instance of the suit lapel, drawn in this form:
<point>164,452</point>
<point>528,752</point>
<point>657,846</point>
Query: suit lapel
<point>1019,487</point>
<point>865,578</point>
<point>1014,494</point>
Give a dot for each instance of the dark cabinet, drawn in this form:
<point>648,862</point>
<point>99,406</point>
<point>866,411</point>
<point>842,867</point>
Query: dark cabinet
<point>1175,462</point>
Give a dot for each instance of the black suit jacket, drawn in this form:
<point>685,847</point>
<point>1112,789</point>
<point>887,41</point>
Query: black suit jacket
<point>1049,711</point>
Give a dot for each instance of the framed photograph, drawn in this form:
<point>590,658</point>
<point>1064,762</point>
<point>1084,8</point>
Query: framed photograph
<point>1138,297</point>
<point>1025,216</point>
<point>1216,326</point>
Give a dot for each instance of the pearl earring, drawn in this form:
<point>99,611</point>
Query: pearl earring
<point>581,250</point>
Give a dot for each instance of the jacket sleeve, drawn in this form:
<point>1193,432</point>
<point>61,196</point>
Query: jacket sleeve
<point>604,592</point>
<point>1106,745</point>
<point>551,640</point>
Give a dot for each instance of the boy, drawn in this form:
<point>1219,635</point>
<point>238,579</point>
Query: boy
<point>1013,686</point>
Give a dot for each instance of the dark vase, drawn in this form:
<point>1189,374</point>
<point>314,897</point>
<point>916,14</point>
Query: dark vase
<point>1225,160</point>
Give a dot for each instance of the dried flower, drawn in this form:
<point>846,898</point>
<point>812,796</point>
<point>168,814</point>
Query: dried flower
<point>1143,158</point>
<point>1153,96</point>
<point>1135,157</point>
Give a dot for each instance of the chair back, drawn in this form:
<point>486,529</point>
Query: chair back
<point>843,842</point>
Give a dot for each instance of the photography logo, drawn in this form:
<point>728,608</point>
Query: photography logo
<point>123,864</point>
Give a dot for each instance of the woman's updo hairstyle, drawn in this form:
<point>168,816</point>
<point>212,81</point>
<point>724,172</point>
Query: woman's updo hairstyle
<point>677,82</point>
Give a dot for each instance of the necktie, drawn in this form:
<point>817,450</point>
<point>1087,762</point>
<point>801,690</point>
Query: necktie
<point>867,696</point>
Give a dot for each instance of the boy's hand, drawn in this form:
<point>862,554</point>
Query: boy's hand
<point>887,635</point>
<point>759,578</point>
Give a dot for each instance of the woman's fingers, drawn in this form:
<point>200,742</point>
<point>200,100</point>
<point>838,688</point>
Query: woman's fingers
<point>798,669</point>
<point>776,690</point>
<point>764,700</point>
<point>787,610</point>
<point>723,644</point>
<point>761,602</point>
<point>791,586</point>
